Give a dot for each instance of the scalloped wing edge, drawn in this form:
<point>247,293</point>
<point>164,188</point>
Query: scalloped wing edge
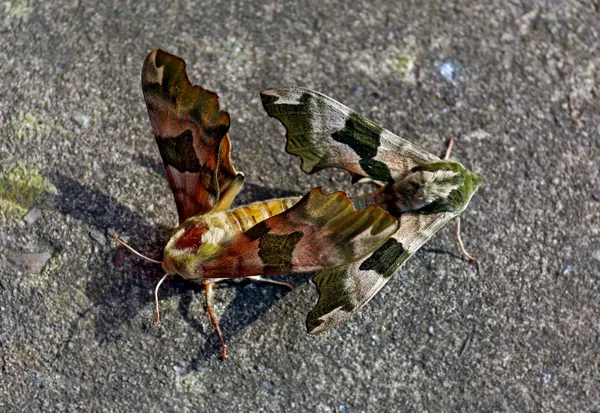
<point>345,290</point>
<point>326,134</point>
<point>191,133</point>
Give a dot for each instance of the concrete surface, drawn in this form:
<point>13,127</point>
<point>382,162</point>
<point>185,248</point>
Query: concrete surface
<point>516,83</point>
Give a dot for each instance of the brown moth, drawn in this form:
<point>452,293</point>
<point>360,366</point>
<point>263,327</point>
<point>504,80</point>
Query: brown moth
<point>213,242</point>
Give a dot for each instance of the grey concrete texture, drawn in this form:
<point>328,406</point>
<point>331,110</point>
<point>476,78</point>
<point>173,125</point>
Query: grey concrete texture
<point>517,85</point>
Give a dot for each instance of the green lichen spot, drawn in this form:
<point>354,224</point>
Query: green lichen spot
<point>21,188</point>
<point>363,136</point>
<point>26,125</point>
<point>276,251</point>
<point>18,10</point>
<point>387,259</point>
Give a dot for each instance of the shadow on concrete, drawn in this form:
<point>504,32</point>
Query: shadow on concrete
<point>119,281</point>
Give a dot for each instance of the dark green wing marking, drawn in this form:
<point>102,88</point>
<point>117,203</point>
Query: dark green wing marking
<point>344,290</point>
<point>325,133</point>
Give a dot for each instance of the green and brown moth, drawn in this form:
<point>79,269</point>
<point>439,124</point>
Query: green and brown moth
<point>355,252</point>
<point>420,190</point>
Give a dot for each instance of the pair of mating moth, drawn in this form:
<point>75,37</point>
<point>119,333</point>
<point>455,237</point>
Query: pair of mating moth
<point>354,252</point>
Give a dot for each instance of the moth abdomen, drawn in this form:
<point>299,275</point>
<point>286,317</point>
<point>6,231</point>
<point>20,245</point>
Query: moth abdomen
<point>245,217</point>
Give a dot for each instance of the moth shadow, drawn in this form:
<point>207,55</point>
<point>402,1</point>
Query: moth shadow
<point>118,282</point>
<point>460,257</point>
<point>440,251</point>
<point>120,285</point>
<point>250,192</point>
<point>251,301</point>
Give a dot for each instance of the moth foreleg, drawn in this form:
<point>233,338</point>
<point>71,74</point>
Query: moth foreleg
<point>266,280</point>
<point>208,295</point>
<point>460,243</point>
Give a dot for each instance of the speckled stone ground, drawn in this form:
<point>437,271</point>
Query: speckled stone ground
<point>517,85</point>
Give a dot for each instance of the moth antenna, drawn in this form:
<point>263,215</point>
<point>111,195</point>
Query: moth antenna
<point>266,280</point>
<point>449,148</point>
<point>157,319</point>
<point>134,251</point>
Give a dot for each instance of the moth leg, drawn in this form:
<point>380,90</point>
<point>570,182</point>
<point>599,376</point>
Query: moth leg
<point>449,148</point>
<point>378,184</point>
<point>208,295</point>
<point>460,243</point>
<point>157,319</point>
<point>266,280</point>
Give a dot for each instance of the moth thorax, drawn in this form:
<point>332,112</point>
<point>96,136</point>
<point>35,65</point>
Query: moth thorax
<point>184,242</point>
<point>191,238</point>
<point>419,189</point>
<point>198,238</point>
<point>192,246</point>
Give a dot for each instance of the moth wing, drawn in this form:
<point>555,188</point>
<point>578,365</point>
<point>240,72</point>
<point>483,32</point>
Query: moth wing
<point>325,133</point>
<point>319,231</point>
<point>191,133</point>
<point>230,181</point>
<point>345,290</point>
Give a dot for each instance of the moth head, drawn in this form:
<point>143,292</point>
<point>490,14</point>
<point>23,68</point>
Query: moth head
<point>464,185</point>
<point>434,187</point>
<point>190,247</point>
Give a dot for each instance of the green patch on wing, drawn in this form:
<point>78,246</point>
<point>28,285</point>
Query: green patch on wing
<point>302,138</point>
<point>363,136</point>
<point>276,251</point>
<point>297,115</point>
<point>334,298</point>
<point>344,290</point>
<point>388,256</point>
<point>21,188</point>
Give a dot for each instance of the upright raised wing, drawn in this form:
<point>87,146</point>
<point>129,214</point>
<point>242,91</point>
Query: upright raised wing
<point>191,133</point>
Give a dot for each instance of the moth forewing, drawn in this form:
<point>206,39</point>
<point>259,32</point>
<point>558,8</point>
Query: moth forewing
<point>325,134</point>
<point>345,290</point>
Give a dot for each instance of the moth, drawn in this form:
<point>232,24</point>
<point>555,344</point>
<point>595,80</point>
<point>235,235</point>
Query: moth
<point>214,242</point>
<point>354,251</point>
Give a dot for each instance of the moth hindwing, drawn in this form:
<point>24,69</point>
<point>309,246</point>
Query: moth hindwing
<point>419,189</point>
